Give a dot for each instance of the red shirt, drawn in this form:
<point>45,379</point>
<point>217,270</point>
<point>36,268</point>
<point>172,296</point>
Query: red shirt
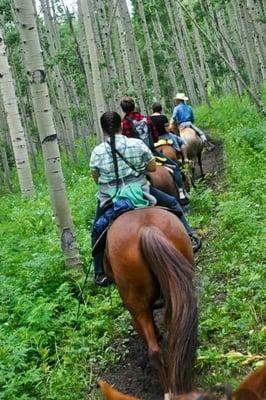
<point>127,128</point>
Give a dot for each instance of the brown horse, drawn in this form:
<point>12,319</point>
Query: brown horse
<point>163,180</point>
<point>148,251</point>
<point>170,152</point>
<point>252,388</point>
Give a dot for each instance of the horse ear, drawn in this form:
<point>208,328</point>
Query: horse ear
<point>112,394</point>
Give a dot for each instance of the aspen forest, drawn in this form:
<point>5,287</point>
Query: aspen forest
<point>63,63</point>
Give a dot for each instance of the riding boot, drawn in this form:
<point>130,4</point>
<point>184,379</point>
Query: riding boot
<point>99,275</point>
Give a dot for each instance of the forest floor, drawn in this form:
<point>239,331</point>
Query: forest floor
<point>133,373</point>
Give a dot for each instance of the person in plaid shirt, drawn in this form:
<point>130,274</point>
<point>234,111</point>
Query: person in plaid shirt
<point>120,161</point>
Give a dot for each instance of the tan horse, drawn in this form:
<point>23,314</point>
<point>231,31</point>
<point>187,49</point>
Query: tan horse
<point>194,146</point>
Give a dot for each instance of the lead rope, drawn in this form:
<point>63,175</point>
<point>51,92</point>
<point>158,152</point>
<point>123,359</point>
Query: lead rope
<point>82,289</point>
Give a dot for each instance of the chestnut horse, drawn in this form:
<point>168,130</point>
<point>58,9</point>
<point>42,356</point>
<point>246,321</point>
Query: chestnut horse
<point>170,152</point>
<point>163,179</point>
<point>148,251</point>
<point>252,388</point>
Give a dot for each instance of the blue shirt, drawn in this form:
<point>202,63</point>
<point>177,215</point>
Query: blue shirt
<point>183,113</point>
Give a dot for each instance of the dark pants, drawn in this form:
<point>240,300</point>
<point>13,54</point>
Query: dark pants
<point>177,174</point>
<point>98,258</point>
<point>163,200</point>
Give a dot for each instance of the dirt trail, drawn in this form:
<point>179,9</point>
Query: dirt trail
<point>133,374</point>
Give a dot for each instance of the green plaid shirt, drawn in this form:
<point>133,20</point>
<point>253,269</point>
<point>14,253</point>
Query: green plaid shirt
<point>133,150</point>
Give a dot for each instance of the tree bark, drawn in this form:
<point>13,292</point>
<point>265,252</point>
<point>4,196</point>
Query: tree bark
<point>95,63</point>
<point>27,27</point>
<point>14,123</point>
<point>253,95</point>
<point>153,71</point>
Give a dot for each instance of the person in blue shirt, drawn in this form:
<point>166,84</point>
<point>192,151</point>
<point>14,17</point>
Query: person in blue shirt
<point>183,117</point>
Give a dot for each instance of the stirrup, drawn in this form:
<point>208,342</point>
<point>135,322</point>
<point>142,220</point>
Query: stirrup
<point>101,280</point>
<point>196,243</point>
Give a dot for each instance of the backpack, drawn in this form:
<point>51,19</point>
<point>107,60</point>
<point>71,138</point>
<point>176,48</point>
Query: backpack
<point>141,130</point>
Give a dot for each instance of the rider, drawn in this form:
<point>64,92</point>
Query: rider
<point>118,163</point>
<point>130,120</point>
<point>161,124</point>
<point>183,117</point>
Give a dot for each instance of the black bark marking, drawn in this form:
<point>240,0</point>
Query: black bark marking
<point>38,76</point>
<point>67,239</point>
<point>49,138</point>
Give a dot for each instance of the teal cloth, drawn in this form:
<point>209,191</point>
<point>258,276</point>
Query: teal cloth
<point>132,191</point>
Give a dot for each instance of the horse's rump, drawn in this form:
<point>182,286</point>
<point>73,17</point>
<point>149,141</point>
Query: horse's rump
<point>147,249</point>
<point>163,180</point>
<point>169,151</point>
<point>194,144</point>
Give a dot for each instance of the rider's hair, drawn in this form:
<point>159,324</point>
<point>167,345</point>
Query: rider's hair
<point>157,107</point>
<point>111,124</point>
<point>127,104</point>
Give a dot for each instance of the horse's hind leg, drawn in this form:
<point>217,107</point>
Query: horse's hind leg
<point>146,328</point>
<point>200,165</point>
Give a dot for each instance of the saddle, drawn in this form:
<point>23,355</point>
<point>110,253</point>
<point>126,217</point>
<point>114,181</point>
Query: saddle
<point>163,142</point>
<point>100,243</point>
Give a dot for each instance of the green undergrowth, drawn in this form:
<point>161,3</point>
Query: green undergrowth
<point>47,353</point>
<point>231,268</point>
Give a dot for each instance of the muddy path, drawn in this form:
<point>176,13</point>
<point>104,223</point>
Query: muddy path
<point>133,374</point>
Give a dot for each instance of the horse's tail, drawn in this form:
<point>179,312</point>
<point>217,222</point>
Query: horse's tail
<point>176,278</point>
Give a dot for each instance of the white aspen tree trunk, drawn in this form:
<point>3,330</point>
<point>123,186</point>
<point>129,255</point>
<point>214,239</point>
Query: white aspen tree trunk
<point>252,45</point>
<point>22,109</point>
<point>82,67</point>
<point>248,54</point>
<point>214,33</point>
<point>190,88</point>
<point>170,68</point>
<point>57,78</point>
<point>233,34</point>
<point>94,60</point>
<point>6,168</point>
<point>253,95</point>
<point>14,123</point>
<point>108,53</point>
<point>115,43</point>
<point>228,51</point>
<point>106,84</point>
<point>87,70</point>
<point>26,24</point>
<point>138,76</point>
<point>153,71</point>
<point>205,70</point>
<point>259,33</point>
<point>123,46</point>
<point>197,71</point>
